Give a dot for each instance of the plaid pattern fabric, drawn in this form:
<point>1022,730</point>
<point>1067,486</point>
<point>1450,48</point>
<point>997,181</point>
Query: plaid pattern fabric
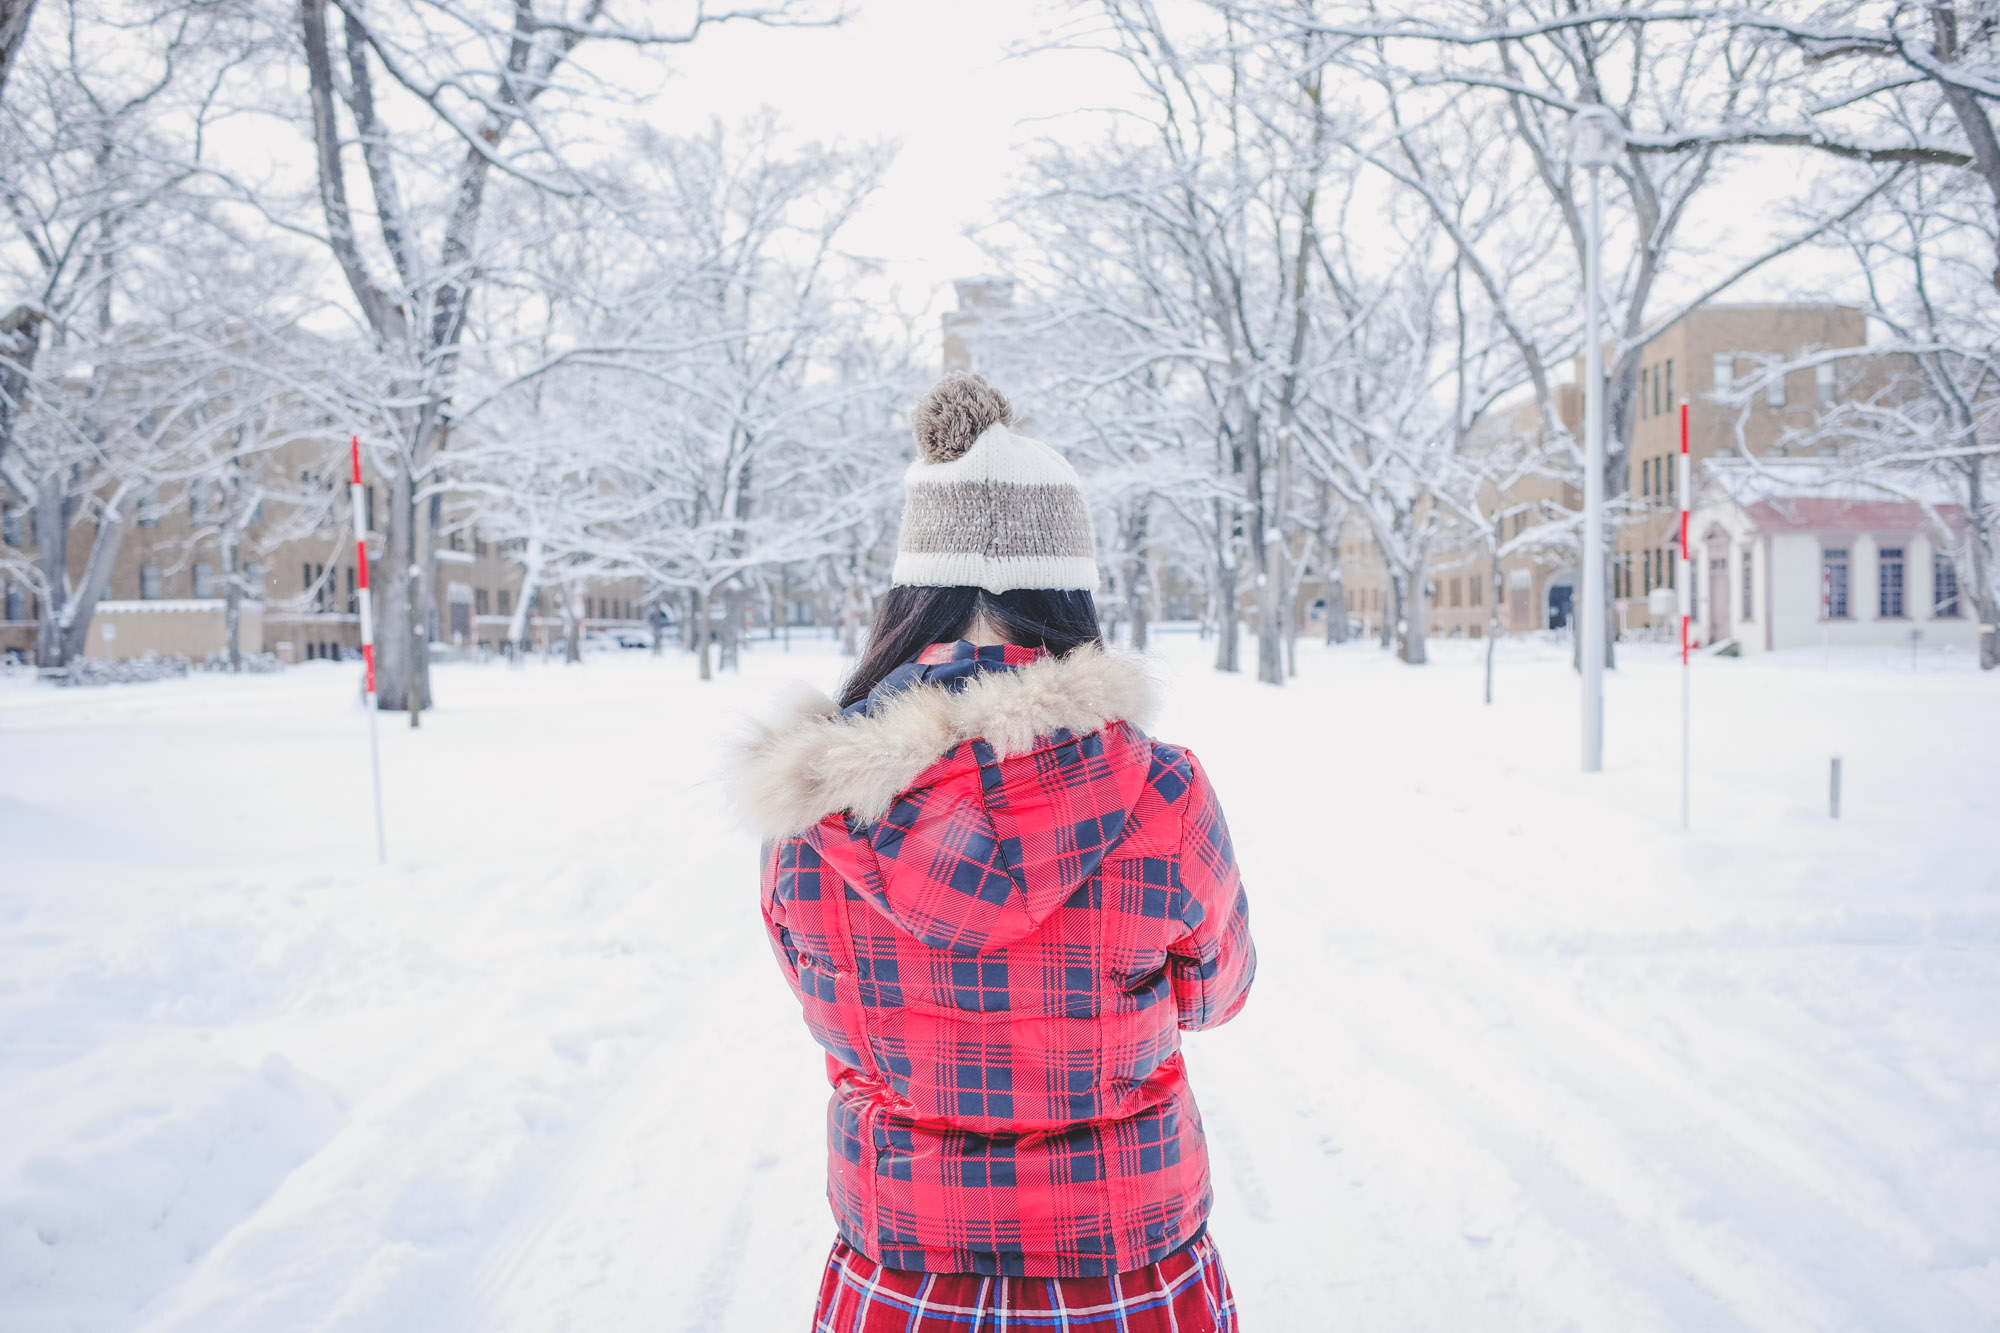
<point>999,971</point>
<point>1186,1292</point>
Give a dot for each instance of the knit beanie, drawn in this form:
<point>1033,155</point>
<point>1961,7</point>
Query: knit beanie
<point>985,506</point>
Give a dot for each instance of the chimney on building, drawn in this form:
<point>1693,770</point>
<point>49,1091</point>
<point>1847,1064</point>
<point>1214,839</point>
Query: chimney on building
<point>980,301</point>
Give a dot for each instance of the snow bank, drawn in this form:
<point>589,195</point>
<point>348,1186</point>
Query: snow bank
<point>129,1166</point>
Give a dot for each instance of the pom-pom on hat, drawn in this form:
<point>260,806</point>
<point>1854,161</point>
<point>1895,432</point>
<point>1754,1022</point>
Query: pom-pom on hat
<point>984,506</point>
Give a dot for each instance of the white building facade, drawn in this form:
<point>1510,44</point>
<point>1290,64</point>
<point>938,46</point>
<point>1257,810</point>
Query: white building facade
<point>1780,562</point>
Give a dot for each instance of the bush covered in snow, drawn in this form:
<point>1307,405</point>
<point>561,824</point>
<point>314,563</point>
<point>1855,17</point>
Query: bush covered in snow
<point>120,671</point>
<point>258,664</point>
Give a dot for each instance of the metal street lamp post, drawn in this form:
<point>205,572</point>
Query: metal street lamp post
<point>1597,139</point>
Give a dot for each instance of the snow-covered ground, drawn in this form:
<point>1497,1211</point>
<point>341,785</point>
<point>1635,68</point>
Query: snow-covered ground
<point>1522,1055</point>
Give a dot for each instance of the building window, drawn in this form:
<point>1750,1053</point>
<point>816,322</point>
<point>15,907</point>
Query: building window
<point>1471,594</point>
<point>1645,390</point>
<point>353,594</point>
<point>204,581</point>
<point>149,509</point>
<point>479,602</point>
<point>197,501</point>
<point>253,579</point>
<point>368,509</point>
<point>1670,384</point>
<point>1657,408</point>
<point>1889,582</point>
<point>1774,391</point>
<point>478,544</point>
<point>149,583</point>
<point>1725,371</point>
<point>1944,587</point>
<point>1749,582</point>
<point>1648,570</point>
<point>1833,583</point>
<point>506,602</point>
<point>10,528</point>
<point>14,600</point>
<point>1823,383</point>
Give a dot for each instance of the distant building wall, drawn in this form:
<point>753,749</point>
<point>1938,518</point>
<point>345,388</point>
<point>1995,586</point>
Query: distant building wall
<point>194,628</point>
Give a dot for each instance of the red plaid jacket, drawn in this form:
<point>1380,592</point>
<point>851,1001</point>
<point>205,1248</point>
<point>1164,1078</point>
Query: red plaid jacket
<point>999,948</point>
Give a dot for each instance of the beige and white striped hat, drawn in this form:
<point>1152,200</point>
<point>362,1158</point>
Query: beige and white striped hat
<point>985,506</point>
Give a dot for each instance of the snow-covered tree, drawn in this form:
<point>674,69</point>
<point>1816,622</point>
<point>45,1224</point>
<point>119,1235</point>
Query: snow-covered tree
<point>436,108</point>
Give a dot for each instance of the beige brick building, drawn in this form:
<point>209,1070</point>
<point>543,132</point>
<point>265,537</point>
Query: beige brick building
<point>166,590</point>
<point>1713,348</point>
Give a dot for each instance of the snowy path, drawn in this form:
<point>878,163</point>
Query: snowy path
<point>1521,1055</point>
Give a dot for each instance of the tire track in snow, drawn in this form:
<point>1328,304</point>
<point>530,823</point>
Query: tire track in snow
<point>559,1184</point>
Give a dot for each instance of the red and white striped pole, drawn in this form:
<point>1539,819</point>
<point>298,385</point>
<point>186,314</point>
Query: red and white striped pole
<point>360,506</point>
<point>1684,582</point>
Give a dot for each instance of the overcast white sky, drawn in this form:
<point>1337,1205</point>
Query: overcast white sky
<point>934,75</point>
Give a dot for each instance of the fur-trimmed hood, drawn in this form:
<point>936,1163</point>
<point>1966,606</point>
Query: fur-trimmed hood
<point>810,761</point>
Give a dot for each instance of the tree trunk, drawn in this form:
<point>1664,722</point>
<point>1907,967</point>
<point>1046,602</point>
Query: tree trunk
<point>51,523</point>
<point>1139,587</point>
<point>1495,593</point>
<point>14,16</point>
<point>429,522</point>
<point>572,627</point>
<point>1410,615</point>
<point>1412,633</point>
<point>232,600</point>
<point>1270,582</point>
<point>524,607</point>
<point>64,630</point>
<point>733,608</point>
<point>1334,594</point>
<point>1979,539</point>
<point>1227,612</point>
<point>402,676</point>
<point>850,622</point>
<point>20,342</point>
<point>1270,626</point>
<point>702,635</point>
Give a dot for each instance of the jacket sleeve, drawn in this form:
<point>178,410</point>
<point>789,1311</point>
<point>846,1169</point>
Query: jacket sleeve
<point>780,860</point>
<point>1213,965</point>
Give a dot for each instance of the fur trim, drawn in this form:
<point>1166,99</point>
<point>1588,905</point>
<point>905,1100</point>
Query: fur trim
<point>810,762</point>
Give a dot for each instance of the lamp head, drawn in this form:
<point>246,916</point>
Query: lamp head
<point>1596,137</point>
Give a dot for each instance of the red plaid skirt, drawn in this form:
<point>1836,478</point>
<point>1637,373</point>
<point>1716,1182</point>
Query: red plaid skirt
<point>1186,1292</point>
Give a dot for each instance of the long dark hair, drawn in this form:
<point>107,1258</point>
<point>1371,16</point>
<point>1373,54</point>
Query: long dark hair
<point>911,619</point>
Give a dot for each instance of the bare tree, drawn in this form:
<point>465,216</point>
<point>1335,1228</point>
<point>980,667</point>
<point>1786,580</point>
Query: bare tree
<point>1915,413</point>
<point>98,397</point>
<point>743,417</point>
<point>475,81</point>
<point>1527,67</point>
